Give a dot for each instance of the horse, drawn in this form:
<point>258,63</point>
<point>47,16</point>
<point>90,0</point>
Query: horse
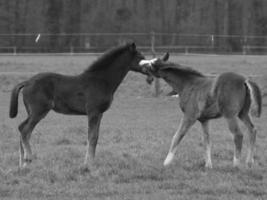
<point>202,98</point>
<point>89,93</point>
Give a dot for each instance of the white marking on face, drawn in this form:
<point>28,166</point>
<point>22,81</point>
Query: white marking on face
<point>147,62</point>
<point>175,96</point>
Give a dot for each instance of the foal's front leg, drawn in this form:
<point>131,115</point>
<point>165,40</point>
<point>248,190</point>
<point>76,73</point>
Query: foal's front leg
<point>206,140</point>
<point>180,133</point>
<point>93,132</point>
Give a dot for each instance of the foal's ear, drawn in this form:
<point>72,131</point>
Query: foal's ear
<point>132,47</point>
<point>166,56</point>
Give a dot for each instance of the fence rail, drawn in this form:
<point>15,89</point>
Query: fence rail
<point>98,42</point>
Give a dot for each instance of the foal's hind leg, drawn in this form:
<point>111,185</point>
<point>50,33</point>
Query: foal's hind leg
<point>21,149</point>
<point>93,132</point>
<point>238,138</point>
<point>206,139</point>
<point>26,129</point>
<point>252,138</point>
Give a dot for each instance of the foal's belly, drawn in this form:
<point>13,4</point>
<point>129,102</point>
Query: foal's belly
<point>69,108</point>
<point>76,105</point>
<point>210,112</point>
<point>72,104</point>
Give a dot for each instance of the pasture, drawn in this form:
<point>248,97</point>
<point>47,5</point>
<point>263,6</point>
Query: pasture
<point>135,135</point>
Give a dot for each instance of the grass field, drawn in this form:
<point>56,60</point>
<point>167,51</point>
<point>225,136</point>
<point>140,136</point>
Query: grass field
<point>135,135</point>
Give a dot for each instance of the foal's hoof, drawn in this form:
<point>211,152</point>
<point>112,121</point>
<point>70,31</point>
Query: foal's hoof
<point>237,166</point>
<point>25,163</point>
<point>168,159</point>
<point>249,164</point>
<point>87,167</point>
<point>23,171</point>
<point>236,163</point>
<point>208,165</point>
<point>84,169</point>
<point>28,160</point>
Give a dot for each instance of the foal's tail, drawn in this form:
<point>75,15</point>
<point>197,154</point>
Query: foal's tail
<point>255,96</point>
<point>13,109</point>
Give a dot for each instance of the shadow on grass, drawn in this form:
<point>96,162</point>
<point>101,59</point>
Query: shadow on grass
<point>126,168</point>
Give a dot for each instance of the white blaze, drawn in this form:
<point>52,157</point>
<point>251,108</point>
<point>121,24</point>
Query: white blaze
<point>147,62</point>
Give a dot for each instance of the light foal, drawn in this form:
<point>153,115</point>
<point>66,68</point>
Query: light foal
<point>202,98</point>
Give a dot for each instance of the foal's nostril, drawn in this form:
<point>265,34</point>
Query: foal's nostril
<point>144,69</point>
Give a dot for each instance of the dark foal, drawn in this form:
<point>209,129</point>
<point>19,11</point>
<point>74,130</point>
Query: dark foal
<point>89,93</point>
<point>203,98</point>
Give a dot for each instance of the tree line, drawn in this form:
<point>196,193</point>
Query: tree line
<point>239,18</point>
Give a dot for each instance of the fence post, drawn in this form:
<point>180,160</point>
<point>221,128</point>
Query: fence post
<point>244,47</point>
<point>212,42</point>
<point>14,50</point>
<point>186,50</point>
<point>71,50</point>
<point>157,83</point>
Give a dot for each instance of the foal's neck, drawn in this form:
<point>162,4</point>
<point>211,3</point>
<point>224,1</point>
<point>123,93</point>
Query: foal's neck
<point>112,75</point>
<point>115,76</point>
<point>180,82</point>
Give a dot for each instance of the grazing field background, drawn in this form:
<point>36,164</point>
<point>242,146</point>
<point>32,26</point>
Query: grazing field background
<point>135,135</point>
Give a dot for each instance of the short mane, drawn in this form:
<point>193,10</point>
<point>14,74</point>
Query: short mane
<point>107,58</point>
<point>187,71</point>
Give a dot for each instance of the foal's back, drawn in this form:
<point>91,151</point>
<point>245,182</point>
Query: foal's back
<point>231,94</point>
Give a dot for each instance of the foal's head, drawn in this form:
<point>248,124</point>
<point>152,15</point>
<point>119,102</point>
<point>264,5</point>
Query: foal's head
<point>153,66</point>
<point>136,56</point>
<point>162,68</point>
